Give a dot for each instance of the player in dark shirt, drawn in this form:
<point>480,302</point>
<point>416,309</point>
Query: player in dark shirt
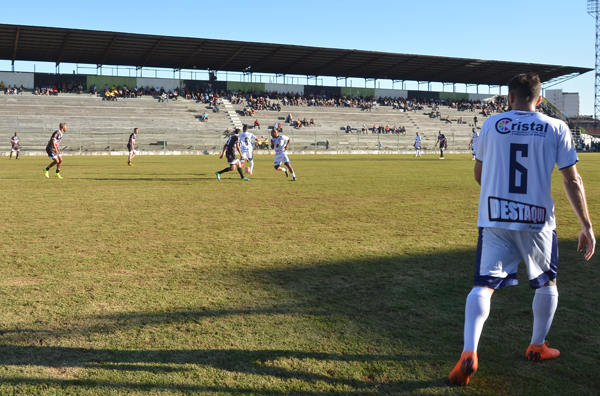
<point>229,149</point>
<point>443,142</point>
<point>131,146</point>
<point>54,151</point>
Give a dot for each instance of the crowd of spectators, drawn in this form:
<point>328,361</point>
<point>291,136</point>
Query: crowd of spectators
<point>11,89</point>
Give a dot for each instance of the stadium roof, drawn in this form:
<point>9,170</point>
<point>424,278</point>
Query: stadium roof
<point>59,45</point>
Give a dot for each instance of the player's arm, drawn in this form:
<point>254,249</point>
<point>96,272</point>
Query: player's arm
<point>223,151</point>
<point>239,150</point>
<point>573,185</point>
<point>55,142</point>
<point>477,171</point>
<point>287,144</point>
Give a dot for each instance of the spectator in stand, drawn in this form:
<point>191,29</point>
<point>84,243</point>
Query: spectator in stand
<point>256,124</point>
<point>312,122</point>
<point>348,129</point>
<point>475,121</point>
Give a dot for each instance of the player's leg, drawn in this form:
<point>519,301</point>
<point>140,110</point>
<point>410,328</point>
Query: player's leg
<point>289,166</point>
<point>251,159</point>
<point>495,259</point>
<point>18,151</point>
<point>540,252</point>
<point>59,162</point>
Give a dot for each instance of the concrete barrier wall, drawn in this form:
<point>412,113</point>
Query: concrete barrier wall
<point>391,93</point>
<point>166,83</point>
<point>245,87</point>
<point>480,96</point>
<point>24,79</point>
<point>101,81</point>
<point>285,88</point>
<point>454,95</point>
<point>364,92</point>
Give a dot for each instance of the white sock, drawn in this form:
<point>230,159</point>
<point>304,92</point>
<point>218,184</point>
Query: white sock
<point>282,169</point>
<point>477,311</point>
<point>293,174</point>
<point>544,306</point>
<point>251,166</point>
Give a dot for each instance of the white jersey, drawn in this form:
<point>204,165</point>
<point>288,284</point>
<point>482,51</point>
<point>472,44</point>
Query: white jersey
<point>417,141</point>
<point>475,140</point>
<point>518,151</point>
<point>246,141</point>
<point>279,143</point>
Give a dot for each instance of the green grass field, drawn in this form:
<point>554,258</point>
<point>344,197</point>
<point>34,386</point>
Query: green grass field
<point>159,279</point>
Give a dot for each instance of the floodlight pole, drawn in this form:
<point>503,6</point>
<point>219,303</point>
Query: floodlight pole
<point>594,10</point>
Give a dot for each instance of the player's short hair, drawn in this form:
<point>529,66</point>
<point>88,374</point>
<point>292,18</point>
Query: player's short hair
<point>526,86</point>
<point>62,125</point>
<point>236,131</point>
<point>245,128</point>
<point>136,129</point>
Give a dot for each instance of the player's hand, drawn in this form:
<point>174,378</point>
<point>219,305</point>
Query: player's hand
<point>221,156</point>
<point>586,237</point>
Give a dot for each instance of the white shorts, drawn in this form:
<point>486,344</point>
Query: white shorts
<point>133,152</point>
<point>15,149</point>
<point>55,156</point>
<point>247,154</point>
<point>281,157</point>
<point>499,252</point>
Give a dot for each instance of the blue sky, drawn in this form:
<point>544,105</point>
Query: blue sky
<point>549,32</point>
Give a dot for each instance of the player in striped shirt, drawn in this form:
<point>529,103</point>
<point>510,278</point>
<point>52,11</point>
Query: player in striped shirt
<point>131,146</point>
<point>16,146</point>
<point>53,150</point>
<point>230,148</point>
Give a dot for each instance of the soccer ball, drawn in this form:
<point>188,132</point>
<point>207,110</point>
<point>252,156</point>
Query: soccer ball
<point>247,169</point>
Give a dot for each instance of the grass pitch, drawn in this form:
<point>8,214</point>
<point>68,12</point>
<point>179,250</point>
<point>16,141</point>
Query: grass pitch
<point>159,279</point>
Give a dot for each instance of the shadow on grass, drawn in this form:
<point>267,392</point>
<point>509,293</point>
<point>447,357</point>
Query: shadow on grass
<point>393,304</point>
<point>233,361</point>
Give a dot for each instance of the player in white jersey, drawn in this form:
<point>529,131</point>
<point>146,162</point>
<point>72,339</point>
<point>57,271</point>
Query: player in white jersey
<point>280,144</point>
<point>16,146</point>
<point>53,150</point>
<point>473,143</point>
<point>246,147</point>
<point>516,154</point>
<point>417,145</point>
<point>131,146</point>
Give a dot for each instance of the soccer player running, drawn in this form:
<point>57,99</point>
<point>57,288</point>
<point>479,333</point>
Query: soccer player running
<point>131,146</point>
<point>229,149</point>
<point>246,147</point>
<point>16,146</point>
<point>516,154</point>
<point>443,143</point>
<point>417,145</point>
<point>473,143</point>
<point>280,143</point>
<point>53,150</point>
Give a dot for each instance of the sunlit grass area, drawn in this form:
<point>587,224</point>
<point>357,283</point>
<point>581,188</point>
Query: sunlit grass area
<point>160,279</point>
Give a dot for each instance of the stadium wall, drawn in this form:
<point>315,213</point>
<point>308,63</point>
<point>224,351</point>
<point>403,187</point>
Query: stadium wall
<point>101,81</point>
<point>30,80</point>
<point>41,79</point>
<point>246,87</point>
<point>166,83</point>
<point>24,79</point>
<point>285,88</point>
<point>391,93</point>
